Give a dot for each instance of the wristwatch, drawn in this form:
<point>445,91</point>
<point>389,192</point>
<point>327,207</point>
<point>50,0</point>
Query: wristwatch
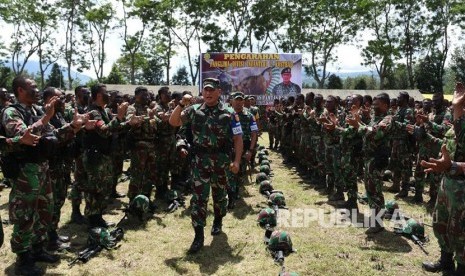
<point>453,169</point>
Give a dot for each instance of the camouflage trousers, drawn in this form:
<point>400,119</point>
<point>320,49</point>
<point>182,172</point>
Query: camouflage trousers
<point>164,149</point>
<point>209,170</point>
<point>272,136</point>
<point>59,185</point>
<point>80,178</point>
<point>373,179</point>
<point>305,151</point>
<point>401,163</point>
<point>449,217</point>
<point>99,182</point>
<point>118,162</point>
<point>30,207</point>
<point>235,181</point>
<point>319,148</point>
<point>329,166</point>
<point>349,173</point>
<point>421,178</point>
<point>143,166</point>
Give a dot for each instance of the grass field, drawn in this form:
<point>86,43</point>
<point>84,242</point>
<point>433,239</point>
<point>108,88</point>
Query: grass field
<point>159,247</point>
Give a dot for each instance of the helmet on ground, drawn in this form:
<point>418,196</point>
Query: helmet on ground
<point>267,218</point>
<point>280,241</point>
<point>261,177</point>
<point>265,186</point>
<point>277,199</point>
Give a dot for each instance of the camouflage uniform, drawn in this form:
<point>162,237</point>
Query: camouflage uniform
<point>401,164</point>
<point>332,158</point>
<point>248,126</point>
<point>305,147</point>
<point>272,129</point>
<point>142,147</point>
<point>58,172</point>
<point>213,129</point>
<point>31,196</point>
<point>449,211</point>
<point>80,175</point>
<point>318,146</point>
<point>376,150</point>
<point>165,147</point>
<point>97,161</point>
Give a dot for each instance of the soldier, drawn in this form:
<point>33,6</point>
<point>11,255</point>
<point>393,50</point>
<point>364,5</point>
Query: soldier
<point>118,143</point>
<point>31,212</point>
<point>401,164</point>
<point>82,94</point>
<point>375,148</point>
<point>317,142</point>
<point>214,130</point>
<point>450,205</point>
<point>305,146</point>
<point>57,171</point>
<point>97,155</point>
<point>249,140</point>
<point>9,144</point>
<point>142,146</point>
<point>165,143</point>
<point>272,125</point>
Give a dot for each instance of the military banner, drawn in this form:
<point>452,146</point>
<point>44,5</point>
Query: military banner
<point>267,76</point>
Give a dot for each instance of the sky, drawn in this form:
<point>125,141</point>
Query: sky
<point>349,57</point>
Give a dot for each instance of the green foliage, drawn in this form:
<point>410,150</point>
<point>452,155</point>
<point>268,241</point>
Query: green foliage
<point>115,76</point>
<point>55,78</point>
<point>181,77</point>
<point>429,73</point>
<point>334,82</point>
<point>458,63</point>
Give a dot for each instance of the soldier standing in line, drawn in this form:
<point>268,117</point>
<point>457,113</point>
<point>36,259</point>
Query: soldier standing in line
<point>215,130</point>
<point>249,140</point>
<point>165,143</point>
<point>142,146</point>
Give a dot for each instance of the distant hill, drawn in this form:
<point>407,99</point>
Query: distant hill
<point>309,80</point>
<point>33,67</point>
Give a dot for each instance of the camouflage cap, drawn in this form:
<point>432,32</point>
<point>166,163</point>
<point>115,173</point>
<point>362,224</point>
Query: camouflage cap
<point>211,83</point>
<point>286,70</point>
<point>237,95</point>
<point>140,89</point>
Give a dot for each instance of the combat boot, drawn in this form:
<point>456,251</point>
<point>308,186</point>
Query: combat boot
<point>402,194</point>
<point>103,223</point>
<point>351,204</point>
<point>460,269</point>
<point>25,265</point>
<point>374,229</point>
<point>76,216</point>
<point>40,255</point>
<point>395,188</point>
<point>197,244</point>
<point>231,200</point>
<point>337,196</point>
<point>216,228</point>
<point>57,242</point>
<point>418,198</point>
<point>445,264</point>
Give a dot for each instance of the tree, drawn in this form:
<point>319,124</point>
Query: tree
<point>99,19</point>
<point>457,64</point>
<point>327,25</point>
<point>133,42</point>
<point>429,77</point>
<point>115,76</point>
<point>411,21</point>
<point>181,77</point>
<point>152,73</point>
<point>334,82</point>
<point>361,84</point>
<point>55,78</point>
<point>73,49</point>
<point>6,77</point>
<point>382,51</point>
